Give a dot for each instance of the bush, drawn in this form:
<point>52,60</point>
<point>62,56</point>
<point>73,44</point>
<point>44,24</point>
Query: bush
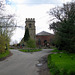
<point>3,55</point>
<point>4,43</point>
<point>30,50</point>
<point>31,43</point>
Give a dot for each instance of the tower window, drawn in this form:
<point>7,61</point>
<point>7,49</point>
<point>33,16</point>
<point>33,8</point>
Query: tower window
<point>30,25</point>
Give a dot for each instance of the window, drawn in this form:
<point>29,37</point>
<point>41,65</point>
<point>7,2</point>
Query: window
<point>29,25</point>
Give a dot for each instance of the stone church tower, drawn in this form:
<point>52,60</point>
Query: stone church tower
<point>30,24</point>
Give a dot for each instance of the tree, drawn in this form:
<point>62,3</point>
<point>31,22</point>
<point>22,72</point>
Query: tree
<point>2,44</point>
<point>7,25</point>
<point>64,28</point>
<point>26,36</point>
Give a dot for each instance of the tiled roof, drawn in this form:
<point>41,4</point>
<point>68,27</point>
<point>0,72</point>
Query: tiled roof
<point>44,33</point>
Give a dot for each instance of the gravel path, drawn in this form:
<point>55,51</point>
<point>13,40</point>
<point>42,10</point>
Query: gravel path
<point>24,63</point>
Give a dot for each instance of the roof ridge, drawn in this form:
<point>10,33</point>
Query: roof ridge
<point>43,33</point>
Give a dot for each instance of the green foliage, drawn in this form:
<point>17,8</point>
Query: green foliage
<point>4,54</point>
<point>61,66</point>
<point>26,36</point>
<point>31,43</point>
<point>65,28</point>
<point>30,50</point>
<point>4,43</point>
<point>66,34</point>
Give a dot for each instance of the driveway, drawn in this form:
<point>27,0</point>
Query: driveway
<point>22,63</point>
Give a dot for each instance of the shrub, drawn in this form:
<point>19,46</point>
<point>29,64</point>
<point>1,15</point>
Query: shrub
<point>4,43</point>
<point>3,55</point>
<point>31,43</point>
<point>30,50</point>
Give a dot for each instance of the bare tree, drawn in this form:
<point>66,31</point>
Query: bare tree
<point>7,26</point>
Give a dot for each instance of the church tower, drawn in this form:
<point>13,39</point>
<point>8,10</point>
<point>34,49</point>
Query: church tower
<point>30,24</point>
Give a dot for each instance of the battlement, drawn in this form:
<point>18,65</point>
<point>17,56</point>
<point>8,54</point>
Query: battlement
<point>30,19</point>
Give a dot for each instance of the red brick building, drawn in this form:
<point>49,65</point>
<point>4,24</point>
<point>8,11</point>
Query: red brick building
<point>44,38</point>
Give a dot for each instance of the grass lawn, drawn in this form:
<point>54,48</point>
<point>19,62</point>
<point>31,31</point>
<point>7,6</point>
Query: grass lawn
<point>30,50</point>
<point>4,54</point>
<point>65,63</point>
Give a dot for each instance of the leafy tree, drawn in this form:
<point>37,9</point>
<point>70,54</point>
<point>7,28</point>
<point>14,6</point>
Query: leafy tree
<point>31,43</point>
<point>64,28</point>
<point>26,36</point>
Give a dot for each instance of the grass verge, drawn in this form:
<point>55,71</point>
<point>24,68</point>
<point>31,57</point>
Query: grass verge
<point>30,50</point>
<point>62,64</point>
<point>4,54</point>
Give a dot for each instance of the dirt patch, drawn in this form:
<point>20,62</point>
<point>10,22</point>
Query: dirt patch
<point>10,54</point>
<point>43,69</point>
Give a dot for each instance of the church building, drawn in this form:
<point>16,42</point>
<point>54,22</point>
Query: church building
<point>43,38</point>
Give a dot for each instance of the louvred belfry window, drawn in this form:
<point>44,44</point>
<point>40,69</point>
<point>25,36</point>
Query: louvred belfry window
<point>30,25</point>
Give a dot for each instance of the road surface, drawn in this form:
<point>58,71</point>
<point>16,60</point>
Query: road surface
<point>22,63</point>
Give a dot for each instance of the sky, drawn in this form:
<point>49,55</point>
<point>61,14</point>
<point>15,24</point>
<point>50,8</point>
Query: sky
<point>31,9</point>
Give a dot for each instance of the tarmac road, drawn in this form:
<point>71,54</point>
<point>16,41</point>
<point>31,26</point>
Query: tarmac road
<point>22,63</point>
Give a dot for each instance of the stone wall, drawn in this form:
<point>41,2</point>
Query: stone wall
<point>30,24</point>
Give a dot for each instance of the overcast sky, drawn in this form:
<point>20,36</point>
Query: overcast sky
<point>32,9</point>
